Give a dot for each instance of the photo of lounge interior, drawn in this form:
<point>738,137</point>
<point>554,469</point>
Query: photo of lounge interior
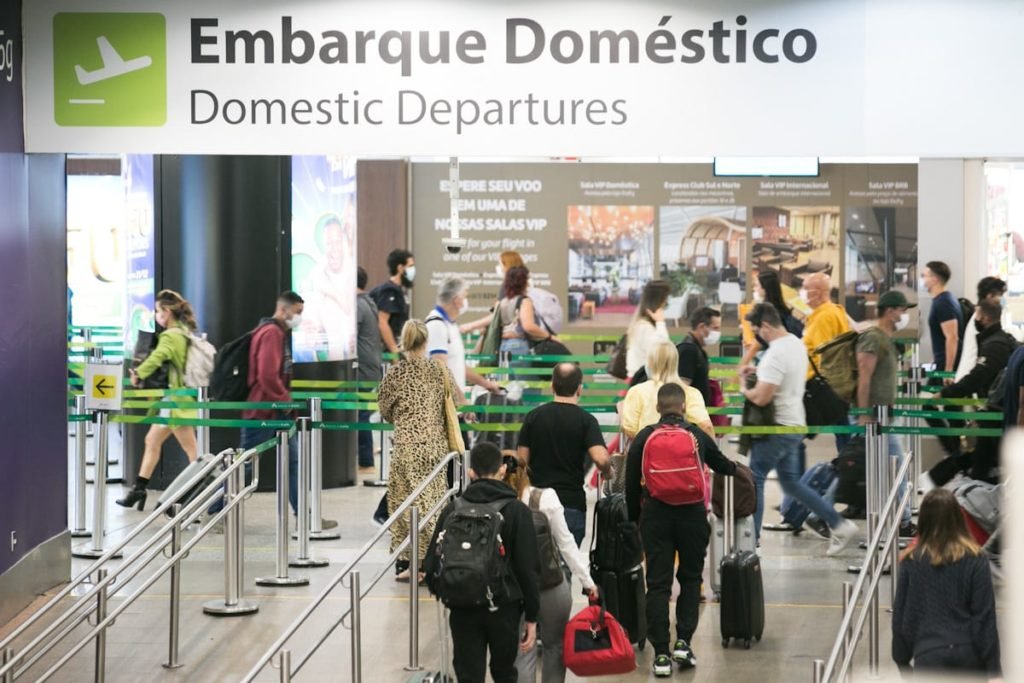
<point>611,257</point>
<point>881,254</point>
<point>795,242</point>
<point>702,252</point>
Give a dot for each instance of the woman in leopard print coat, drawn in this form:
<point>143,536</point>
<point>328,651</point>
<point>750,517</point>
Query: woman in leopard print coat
<point>411,397</point>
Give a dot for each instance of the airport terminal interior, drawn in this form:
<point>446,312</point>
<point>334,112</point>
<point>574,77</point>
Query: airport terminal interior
<point>745,338</point>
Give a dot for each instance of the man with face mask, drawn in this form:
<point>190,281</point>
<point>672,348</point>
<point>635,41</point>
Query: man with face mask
<point>270,373</point>
<point>995,346</point>
<point>444,341</point>
<point>705,330</point>
<point>390,297</point>
<point>877,367</point>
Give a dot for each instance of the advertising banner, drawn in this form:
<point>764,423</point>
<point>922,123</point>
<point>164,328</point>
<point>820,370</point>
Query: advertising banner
<point>12,137</point>
<point>139,241</point>
<point>324,256</point>
<point>595,234</point>
<point>97,265</point>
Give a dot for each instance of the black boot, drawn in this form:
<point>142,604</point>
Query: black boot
<point>135,498</point>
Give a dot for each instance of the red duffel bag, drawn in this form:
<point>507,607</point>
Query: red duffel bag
<point>595,644</point>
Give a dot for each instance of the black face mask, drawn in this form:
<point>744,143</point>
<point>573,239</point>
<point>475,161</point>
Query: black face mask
<point>979,326</point>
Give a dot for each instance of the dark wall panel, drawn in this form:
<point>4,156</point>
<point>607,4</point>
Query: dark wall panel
<point>383,213</point>
<point>33,348</point>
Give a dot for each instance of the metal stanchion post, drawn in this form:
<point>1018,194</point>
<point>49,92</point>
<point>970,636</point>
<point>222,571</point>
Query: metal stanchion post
<point>385,451</point>
<point>284,664</point>
<point>894,552</point>
<point>7,656</point>
<point>282,578</point>
<point>870,567</point>
<point>101,637</point>
<point>303,558</point>
<point>819,670</point>
<point>848,606</point>
<point>316,475</point>
<point>233,604</point>
<point>465,472</point>
<point>915,440</point>
<point>414,592</point>
<point>173,630</point>
<point>99,501</point>
<point>81,432</point>
<point>203,432</point>
<point>356,624</point>
<point>870,480</point>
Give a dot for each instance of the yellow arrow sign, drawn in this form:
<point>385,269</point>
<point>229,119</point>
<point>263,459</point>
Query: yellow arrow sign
<point>104,386</point>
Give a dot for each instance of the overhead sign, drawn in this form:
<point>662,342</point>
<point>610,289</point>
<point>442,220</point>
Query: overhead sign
<point>649,78</point>
<point>103,385</point>
<point>11,134</point>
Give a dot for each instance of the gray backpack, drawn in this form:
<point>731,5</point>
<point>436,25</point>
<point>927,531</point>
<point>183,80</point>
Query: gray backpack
<point>550,560</point>
<point>981,501</point>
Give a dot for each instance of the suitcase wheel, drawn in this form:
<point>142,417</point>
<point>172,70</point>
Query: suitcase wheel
<point>718,597</point>
<point>746,644</point>
<point>725,642</point>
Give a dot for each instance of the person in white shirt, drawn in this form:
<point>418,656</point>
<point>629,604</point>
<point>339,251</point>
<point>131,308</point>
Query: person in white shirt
<point>994,289</point>
<point>556,601</point>
<point>648,326</point>
<point>781,376</point>
<point>444,340</point>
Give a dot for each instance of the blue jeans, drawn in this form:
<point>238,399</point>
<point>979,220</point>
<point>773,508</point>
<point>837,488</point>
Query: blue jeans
<point>254,436</point>
<point>781,452</point>
<point>576,520</point>
<point>365,441</point>
<point>896,448</point>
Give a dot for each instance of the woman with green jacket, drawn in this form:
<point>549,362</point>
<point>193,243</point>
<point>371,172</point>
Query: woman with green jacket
<point>174,314</point>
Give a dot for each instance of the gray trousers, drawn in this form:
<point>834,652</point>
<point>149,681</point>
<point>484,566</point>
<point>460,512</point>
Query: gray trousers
<point>555,605</point>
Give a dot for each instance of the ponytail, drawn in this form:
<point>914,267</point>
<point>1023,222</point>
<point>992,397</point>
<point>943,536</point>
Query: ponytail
<point>178,306</point>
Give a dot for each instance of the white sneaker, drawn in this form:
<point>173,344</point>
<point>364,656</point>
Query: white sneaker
<point>925,483</point>
<point>842,536</point>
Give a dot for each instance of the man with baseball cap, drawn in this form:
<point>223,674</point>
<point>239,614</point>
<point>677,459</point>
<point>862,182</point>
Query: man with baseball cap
<point>877,368</point>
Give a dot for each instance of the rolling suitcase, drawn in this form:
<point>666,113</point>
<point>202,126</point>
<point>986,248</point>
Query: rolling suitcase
<point>176,492</point>
<point>506,441</point>
<point>741,610</point>
<point>616,556</point>
<point>744,536</point>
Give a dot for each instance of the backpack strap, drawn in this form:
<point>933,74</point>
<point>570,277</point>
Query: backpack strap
<point>535,495</point>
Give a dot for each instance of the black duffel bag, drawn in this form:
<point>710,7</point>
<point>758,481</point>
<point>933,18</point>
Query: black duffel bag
<point>851,470</point>
<point>821,403</point>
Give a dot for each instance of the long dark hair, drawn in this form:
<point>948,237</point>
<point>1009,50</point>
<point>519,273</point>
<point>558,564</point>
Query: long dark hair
<point>942,535</point>
<point>769,280</point>
<point>517,279</point>
<point>654,295</point>
<point>178,307</point>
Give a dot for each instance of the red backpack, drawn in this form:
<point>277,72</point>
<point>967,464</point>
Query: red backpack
<point>672,470</point>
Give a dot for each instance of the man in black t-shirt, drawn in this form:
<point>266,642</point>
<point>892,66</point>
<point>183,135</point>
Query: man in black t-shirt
<point>557,441</point>
<point>705,330</point>
<point>392,306</point>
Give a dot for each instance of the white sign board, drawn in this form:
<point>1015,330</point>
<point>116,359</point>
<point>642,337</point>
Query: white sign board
<point>640,79</point>
<point>103,382</point>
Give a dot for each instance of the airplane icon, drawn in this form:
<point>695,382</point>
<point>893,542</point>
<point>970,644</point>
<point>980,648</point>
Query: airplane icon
<point>113,64</point>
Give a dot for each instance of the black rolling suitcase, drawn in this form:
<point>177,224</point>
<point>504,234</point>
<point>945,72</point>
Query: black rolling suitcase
<point>616,556</point>
<point>742,605</point>
<point>506,441</point>
<point>177,492</point>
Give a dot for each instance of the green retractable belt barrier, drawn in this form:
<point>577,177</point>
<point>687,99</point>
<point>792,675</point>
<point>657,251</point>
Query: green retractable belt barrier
<point>188,422</point>
<point>216,405</point>
<point>950,415</point>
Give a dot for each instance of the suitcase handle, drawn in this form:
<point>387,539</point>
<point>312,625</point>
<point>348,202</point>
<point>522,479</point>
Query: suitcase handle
<point>729,513</point>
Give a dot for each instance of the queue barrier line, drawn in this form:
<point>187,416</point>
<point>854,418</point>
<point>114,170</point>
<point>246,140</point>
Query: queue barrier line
<point>216,405</point>
<point>195,422</point>
<point>988,416</point>
<point>86,417</point>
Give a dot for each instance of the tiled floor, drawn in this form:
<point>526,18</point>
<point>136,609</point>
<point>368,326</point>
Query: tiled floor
<point>803,590</point>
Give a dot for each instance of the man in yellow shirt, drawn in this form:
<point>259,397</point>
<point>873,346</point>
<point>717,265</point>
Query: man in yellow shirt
<point>827,320</point>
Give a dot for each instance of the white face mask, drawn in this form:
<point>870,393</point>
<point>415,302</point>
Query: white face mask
<point>410,273</point>
<point>903,321</point>
<point>805,296</point>
<point>500,271</point>
<point>758,297</point>
<point>294,321</point>
<point>713,337</point>
<point>464,307</point>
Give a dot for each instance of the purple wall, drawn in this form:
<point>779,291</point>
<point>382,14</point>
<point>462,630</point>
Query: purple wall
<point>33,347</point>
<point>12,137</point>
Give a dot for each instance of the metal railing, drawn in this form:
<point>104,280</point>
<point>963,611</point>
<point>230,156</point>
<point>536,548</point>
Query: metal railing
<point>167,541</point>
<point>860,604</point>
<point>417,525</point>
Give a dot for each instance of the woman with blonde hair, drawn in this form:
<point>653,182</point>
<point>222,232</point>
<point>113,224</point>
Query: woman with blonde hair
<point>411,397</point>
<point>640,407</point>
<point>174,314</point>
<point>944,616</point>
<point>556,598</point>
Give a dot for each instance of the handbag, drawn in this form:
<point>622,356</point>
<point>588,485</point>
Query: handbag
<point>821,403</point>
<point>452,428</point>
<point>144,345</point>
<point>717,401</point>
<point>616,366</point>
<point>595,644</point>
<point>490,343</point>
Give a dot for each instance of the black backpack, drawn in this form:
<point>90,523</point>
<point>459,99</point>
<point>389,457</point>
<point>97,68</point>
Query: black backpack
<point>851,470</point>
<point>966,311</point>
<point>471,567</point>
<point>229,380</point>
<point>550,560</point>
<point>616,544</point>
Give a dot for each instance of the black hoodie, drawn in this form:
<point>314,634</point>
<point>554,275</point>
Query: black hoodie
<point>518,534</point>
<point>995,346</point>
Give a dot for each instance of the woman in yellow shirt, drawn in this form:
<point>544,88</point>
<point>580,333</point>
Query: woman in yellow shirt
<point>640,407</point>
